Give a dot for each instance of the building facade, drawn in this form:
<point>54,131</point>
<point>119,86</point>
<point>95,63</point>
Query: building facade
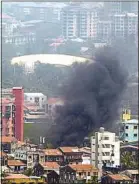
<point>38,98</point>
<point>105,149</point>
<point>12,109</point>
<point>129,131</point>
<point>79,22</point>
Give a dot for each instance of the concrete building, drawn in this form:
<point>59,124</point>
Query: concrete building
<point>104,31</point>
<point>105,149</point>
<point>13,112</point>
<point>79,22</point>
<point>129,131</point>
<point>38,98</point>
<point>8,117</point>
<point>124,25</point>
<point>120,7</point>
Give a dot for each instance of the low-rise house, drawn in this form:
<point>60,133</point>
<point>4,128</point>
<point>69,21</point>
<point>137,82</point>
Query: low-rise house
<point>133,174</point>
<point>71,155</point>
<point>33,157</point>
<point>116,179</point>
<point>51,166</point>
<point>72,173</point>
<point>6,143</point>
<point>20,149</point>
<point>86,157</point>
<point>53,155</point>
<point>16,166</point>
<point>20,178</point>
<point>3,157</point>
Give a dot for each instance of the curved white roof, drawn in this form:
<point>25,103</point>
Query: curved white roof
<point>55,59</point>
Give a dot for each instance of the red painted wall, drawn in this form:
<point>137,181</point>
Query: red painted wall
<point>18,93</point>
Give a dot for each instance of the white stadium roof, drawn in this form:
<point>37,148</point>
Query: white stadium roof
<point>55,59</point>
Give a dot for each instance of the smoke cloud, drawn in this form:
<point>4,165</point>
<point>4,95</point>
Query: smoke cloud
<point>92,97</point>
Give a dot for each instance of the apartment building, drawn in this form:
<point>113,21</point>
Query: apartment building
<point>129,130</point>
<point>79,22</point>
<point>105,149</point>
<point>104,31</point>
<point>12,109</point>
<point>31,11</point>
<point>124,25</point>
<point>118,7</point>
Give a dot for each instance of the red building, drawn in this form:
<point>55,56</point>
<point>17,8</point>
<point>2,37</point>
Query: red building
<point>13,113</point>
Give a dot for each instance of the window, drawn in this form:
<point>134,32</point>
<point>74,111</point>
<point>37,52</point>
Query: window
<point>88,173</point>
<point>106,138</point>
<point>126,127</point>
<point>126,135</point>
<point>135,135</point>
<point>135,127</point>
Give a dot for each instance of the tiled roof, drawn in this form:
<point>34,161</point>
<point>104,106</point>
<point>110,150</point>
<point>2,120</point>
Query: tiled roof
<point>15,163</point>
<point>14,176</point>
<point>7,139</point>
<point>69,149</point>
<point>52,152</point>
<point>51,165</point>
<point>119,177</point>
<point>83,167</point>
<point>2,154</point>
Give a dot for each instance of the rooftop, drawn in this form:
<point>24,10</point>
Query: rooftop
<point>119,177</point>
<point>51,165</point>
<point>34,94</point>
<point>132,121</point>
<point>16,176</point>
<point>83,167</point>
<point>55,59</point>
<point>52,152</point>
<point>2,154</point>
<point>15,163</point>
<point>7,139</point>
<point>69,149</point>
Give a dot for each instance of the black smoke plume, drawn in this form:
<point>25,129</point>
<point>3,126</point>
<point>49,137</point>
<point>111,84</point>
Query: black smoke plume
<point>92,98</point>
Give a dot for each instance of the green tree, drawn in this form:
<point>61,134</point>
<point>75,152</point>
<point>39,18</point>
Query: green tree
<point>28,172</point>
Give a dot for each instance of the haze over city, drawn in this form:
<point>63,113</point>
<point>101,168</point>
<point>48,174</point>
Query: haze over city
<point>69,102</point>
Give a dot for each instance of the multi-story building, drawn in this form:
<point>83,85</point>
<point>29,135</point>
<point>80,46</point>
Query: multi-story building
<point>129,130</point>
<point>105,149</point>
<point>12,120</point>
<point>79,22</point>
<point>53,155</point>
<point>8,117</point>
<point>71,155</point>
<point>104,31</point>
<point>33,11</point>
<point>124,25</point>
<point>78,172</point>
<point>38,98</point>
<point>119,7</point>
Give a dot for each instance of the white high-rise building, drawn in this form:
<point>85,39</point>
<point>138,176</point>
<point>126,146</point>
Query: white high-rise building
<point>105,149</point>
